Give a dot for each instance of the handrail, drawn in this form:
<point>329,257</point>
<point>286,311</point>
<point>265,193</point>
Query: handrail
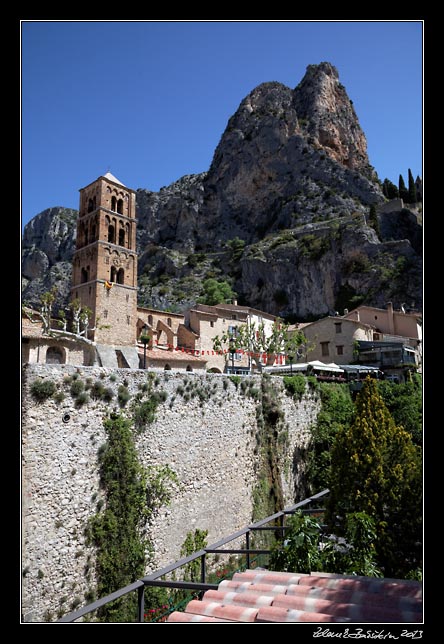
<point>153,578</point>
<point>69,617</point>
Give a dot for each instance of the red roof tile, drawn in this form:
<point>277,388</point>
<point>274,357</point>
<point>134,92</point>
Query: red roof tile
<point>265,596</point>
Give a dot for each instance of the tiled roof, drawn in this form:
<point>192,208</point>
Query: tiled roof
<point>282,597</point>
<point>169,356</point>
<point>114,179</point>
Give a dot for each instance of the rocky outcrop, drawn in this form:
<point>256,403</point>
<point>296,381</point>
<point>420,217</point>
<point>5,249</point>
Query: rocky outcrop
<point>291,179</point>
<point>321,101</point>
<point>48,246</point>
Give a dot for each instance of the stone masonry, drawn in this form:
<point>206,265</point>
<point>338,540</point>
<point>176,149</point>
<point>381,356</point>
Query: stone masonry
<point>210,445</point>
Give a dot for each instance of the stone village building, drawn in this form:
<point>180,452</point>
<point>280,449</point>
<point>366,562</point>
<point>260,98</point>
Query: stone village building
<point>333,339</point>
<point>388,339</point>
<point>105,280</point>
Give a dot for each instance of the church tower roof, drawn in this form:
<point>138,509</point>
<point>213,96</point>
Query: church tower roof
<point>111,177</point>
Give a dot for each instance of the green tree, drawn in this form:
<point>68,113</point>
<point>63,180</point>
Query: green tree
<point>373,219</point>
<point>376,469</point>
<point>336,412</point>
<point>305,548</point>
<point>389,189</point>
<point>300,552</point>
<point>262,343</point>
<point>412,189</point>
<point>236,246</point>
<point>403,192</point>
<point>216,292</point>
<point>418,182</point>
<point>404,402</point>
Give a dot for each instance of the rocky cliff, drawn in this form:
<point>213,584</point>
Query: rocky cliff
<point>282,214</point>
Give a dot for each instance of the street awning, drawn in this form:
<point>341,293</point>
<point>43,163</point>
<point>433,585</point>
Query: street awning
<point>322,366</point>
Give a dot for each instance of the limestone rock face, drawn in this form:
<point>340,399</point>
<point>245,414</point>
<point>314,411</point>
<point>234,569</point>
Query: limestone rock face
<point>48,246</point>
<point>323,102</point>
<point>53,232</point>
<point>290,186</point>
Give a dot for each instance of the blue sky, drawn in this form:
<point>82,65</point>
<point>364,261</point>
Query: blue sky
<point>149,101</point>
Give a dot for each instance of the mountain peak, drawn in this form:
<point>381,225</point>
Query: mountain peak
<point>289,162</point>
<point>322,68</point>
<point>322,101</point>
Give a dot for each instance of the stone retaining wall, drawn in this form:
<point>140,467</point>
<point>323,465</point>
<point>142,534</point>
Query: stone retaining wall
<point>207,437</point>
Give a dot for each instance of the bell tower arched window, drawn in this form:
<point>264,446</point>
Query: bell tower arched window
<point>120,276</point>
<point>83,235</point>
<point>113,203</point>
<point>85,275</point>
<point>90,205</point>
<point>111,234</point>
<point>113,273</point>
<point>120,206</point>
<point>121,236</point>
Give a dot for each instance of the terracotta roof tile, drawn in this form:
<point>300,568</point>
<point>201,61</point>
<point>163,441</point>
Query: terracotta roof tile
<point>226,611</point>
<point>254,600</point>
<point>282,615</point>
<point>188,617</point>
<point>169,356</point>
<point>281,597</point>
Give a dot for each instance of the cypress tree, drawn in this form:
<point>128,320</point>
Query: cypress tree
<point>418,184</point>
<point>373,219</point>
<point>412,189</point>
<point>376,469</point>
<point>389,189</point>
<point>403,192</point>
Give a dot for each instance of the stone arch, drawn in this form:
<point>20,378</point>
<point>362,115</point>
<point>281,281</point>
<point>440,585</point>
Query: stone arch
<point>214,370</point>
<point>162,328</point>
<point>189,368</point>
<point>93,230</point>
<point>114,203</point>
<point>167,367</point>
<point>121,276</point>
<point>121,241</point>
<point>55,355</point>
<point>83,237</point>
<point>111,233</point>
<point>84,274</point>
<point>120,206</point>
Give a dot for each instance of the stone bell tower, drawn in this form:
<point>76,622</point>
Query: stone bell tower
<point>105,262</point>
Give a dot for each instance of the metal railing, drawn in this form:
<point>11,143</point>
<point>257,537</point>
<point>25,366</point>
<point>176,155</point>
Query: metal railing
<point>153,579</point>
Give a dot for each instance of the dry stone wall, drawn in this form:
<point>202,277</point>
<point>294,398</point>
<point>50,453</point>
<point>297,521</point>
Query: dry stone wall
<point>205,430</point>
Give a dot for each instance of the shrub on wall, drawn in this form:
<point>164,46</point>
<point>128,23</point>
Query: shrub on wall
<point>43,389</point>
<point>123,395</point>
<point>295,386</point>
<point>77,387</point>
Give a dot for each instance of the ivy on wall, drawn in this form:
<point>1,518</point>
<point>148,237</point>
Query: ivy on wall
<point>118,531</point>
<point>272,437</point>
